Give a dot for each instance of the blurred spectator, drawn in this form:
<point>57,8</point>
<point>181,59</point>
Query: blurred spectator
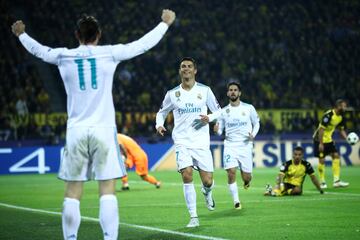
<point>43,101</point>
<point>47,132</point>
<point>286,54</point>
<point>21,106</point>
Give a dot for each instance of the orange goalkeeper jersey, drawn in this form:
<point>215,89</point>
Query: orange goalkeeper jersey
<point>135,154</point>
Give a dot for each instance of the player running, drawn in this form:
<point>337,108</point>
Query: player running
<point>189,103</point>
<point>241,124</point>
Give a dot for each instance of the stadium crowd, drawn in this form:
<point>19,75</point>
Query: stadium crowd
<point>301,55</point>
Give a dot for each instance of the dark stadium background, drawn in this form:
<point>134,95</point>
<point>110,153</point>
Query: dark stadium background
<point>293,59</point>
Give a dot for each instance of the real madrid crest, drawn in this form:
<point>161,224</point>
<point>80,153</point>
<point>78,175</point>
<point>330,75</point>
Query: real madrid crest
<point>177,94</point>
<point>199,96</point>
<point>227,110</point>
<point>243,113</point>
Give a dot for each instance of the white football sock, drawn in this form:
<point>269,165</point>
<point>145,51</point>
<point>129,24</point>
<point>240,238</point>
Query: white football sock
<point>71,218</point>
<point>190,198</point>
<point>234,192</point>
<point>109,216</point>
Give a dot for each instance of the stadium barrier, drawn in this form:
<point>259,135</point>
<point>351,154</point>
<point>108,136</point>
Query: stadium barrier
<point>282,119</point>
<point>46,159</point>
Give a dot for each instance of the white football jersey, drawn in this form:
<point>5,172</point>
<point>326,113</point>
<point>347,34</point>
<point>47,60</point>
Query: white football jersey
<point>88,73</point>
<point>186,107</point>
<point>238,122</point>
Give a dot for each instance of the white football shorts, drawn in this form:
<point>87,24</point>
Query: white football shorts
<point>239,156</point>
<point>198,158</point>
<point>91,153</point>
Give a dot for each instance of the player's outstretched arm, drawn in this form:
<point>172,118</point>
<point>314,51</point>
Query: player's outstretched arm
<point>343,134</point>
<point>316,183</point>
<point>127,51</point>
<point>32,46</point>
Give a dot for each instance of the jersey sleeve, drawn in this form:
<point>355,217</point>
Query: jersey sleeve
<point>284,167</point>
<point>213,105</point>
<point>47,54</point>
<point>122,52</point>
<point>325,121</point>
<point>308,168</point>
<point>255,121</point>
<point>165,108</point>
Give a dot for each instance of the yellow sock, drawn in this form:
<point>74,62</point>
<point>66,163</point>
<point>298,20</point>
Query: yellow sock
<point>277,193</point>
<point>336,169</point>
<point>150,179</point>
<point>289,191</point>
<point>321,169</point>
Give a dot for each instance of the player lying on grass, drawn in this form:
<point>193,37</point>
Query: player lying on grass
<point>135,156</point>
<point>292,175</point>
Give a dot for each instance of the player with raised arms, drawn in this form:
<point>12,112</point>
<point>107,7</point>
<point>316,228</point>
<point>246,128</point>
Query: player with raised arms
<point>91,150</point>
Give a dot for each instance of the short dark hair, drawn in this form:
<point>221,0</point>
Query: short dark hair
<point>299,148</point>
<point>339,101</point>
<point>87,28</point>
<point>234,83</point>
<point>189,59</point>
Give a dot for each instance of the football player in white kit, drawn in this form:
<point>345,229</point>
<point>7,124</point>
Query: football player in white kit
<point>241,123</point>
<point>91,150</point>
<point>189,103</point>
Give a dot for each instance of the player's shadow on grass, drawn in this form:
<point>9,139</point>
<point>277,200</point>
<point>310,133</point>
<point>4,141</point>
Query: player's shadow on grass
<point>137,189</point>
<point>163,236</point>
<point>228,213</point>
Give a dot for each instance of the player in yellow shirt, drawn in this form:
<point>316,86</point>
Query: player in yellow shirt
<point>135,156</point>
<point>292,175</point>
<point>324,144</point>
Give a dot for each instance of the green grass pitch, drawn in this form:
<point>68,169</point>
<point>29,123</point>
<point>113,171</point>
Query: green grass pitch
<point>30,207</point>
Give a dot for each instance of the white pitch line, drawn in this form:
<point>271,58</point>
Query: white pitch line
<point>91,219</point>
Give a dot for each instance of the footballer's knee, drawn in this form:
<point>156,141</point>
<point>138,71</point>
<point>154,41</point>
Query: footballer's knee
<point>335,155</point>
<point>186,175</point>
<point>322,160</point>
<point>231,173</point>
<point>207,182</point>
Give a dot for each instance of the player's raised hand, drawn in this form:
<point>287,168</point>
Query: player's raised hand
<point>161,130</point>
<point>18,28</point>
<point>168,16</point>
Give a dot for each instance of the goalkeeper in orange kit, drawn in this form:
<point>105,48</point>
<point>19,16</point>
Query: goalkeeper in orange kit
<point>135,156</point>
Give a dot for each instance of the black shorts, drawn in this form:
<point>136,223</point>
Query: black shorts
<point>329,148</point>
<point>289,186</point>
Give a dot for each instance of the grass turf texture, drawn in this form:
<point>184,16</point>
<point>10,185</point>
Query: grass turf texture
<point>145,211</point>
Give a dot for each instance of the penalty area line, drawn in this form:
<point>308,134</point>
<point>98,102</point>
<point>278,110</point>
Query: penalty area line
<point>91,219</point>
